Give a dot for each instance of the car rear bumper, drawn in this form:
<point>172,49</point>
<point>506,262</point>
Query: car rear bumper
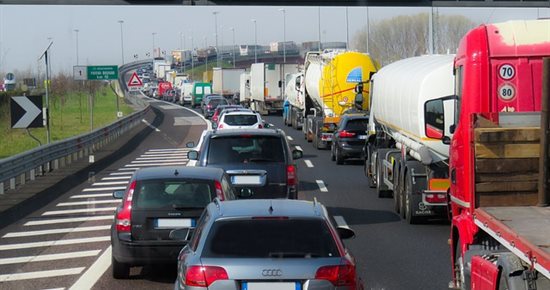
<point>145,252</point>
<point>351,151</point>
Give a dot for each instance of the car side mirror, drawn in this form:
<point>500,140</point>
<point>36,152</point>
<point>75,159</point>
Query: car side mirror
<point>190,144</point>
<point>118,194</point>
<point>193,155</point>
<point>297,154</point>
<point>345,233</point>
<point>181,234</point>
<point>434,119</point>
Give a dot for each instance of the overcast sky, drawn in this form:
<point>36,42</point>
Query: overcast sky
<point>24,30</point>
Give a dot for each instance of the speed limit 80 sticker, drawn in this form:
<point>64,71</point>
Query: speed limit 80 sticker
<point>506,92</point>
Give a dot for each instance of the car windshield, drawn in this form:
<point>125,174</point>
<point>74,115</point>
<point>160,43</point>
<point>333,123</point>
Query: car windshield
<point>357,125</point>
<point>240,120</point>
<point>270,238</point>
<point>245,148</point>
<point>168,194</point>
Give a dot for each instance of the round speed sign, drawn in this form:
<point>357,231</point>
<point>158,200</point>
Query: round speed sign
<point>507,71</point>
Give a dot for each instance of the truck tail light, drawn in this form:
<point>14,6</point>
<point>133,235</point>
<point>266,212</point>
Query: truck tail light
<point>346,134</point>
<point>436,197</point>
<point>338,275</point>
<point>219,191</point>
<point>291,175</point>
<point>124,216</point>
<point>203,276</point>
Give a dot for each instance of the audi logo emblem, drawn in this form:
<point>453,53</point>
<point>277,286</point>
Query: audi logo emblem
<point>272,272</point>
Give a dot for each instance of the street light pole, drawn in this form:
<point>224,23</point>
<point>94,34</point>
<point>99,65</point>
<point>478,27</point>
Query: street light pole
<point>153,53</point>
<point>255,42</point>
<point>319,25</point>
<point>216,36</point>
<point>284,34</point>
<point>182,53</point>
<point>206,45</point>
<point>76,30</point>
<point>121,40</point>
<point>192,58</point>
<point>233,30</point>
<point>347,29</point>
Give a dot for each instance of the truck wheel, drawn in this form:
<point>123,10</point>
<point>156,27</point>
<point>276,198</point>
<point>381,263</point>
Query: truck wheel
<point>338,156</point>
<point>460,269</point>
<point>120,270</point>
<point>396,187</point>
<point>381,188</point>
<point>409,205</point>
<point>511,273</point>
<point>367,167</point>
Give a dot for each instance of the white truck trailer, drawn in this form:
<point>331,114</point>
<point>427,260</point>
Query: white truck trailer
<point>400,158</point>
<point>267,83</point>
<point>225,81</point>
<point>244,88</point>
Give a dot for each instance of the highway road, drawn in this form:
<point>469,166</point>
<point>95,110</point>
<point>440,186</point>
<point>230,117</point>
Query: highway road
<point>66,244</point>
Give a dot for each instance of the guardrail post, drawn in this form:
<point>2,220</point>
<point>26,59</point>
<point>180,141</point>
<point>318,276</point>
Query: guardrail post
<point>62,162</point>
<point>23,178</point>
<point>1,188</point>
<point>32,174</point>
<point>56,164</point>
<point>12,183</point>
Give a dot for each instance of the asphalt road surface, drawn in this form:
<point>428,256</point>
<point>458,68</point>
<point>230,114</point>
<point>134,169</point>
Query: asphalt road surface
<point>66,243</point>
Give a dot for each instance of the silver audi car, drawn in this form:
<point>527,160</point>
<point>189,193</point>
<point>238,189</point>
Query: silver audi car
<point>268,245</point>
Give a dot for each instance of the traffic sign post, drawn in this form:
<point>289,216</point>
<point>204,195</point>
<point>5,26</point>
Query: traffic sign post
<point>26,112</point>
<point>102,72</point>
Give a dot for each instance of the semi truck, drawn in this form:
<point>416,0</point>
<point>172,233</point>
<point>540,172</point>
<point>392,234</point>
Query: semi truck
<point>294,100</point>
<point>498,165</point>
<point>267,83</point>
<point>333,82</point>
<point>244,88</point>
<point>400,160</point>
<point>225,81</point>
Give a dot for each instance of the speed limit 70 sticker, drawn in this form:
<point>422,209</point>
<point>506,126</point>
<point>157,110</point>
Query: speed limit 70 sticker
<point>506,71</point>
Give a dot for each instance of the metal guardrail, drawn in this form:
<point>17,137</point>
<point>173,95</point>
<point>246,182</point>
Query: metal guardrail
<point>19,169</point>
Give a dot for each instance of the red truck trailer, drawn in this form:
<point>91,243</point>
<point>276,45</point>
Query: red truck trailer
<point>500,226</point>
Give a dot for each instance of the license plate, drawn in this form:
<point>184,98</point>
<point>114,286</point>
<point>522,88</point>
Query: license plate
<point>271,286</point>
<point>246,179</point>
<point>362,137</point>
<point>173,223</point>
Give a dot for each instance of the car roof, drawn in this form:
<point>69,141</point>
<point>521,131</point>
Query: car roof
<point>186,172</point>
<point>254,132</point>
<point>356,116</point>
<point>267,208</point>
<point>240,112</point>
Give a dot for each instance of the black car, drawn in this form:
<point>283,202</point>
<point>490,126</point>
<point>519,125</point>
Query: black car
<point>210,103</point>
<point>259,161</point>
<point>156,201</point>
<point>348,141</point>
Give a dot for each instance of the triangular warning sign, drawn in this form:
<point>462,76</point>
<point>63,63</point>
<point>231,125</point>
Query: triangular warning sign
<point>135,81</point>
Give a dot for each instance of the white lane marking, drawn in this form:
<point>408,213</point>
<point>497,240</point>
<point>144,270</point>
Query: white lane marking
<point>157,164</point>
<point>68,220</point>
<point>92,195</point>
<point>133,169</point>
<point>117,177</point>
<point>321,185</point>
<point>41,274</point>
<point>123,173</point>
<point>54,243</point>
<point>308,163</point>
<point>62,288</point>
<point>289,138</point>
<point>50,257</point>
<point>169,107</point>
<point>157,161</point>
<point>154,155</point>
<point>187,121</point>
<point>163,158</point>
<point>83,210</point>
<point>340,221</point>
<point>90,277</point>
<point>104,188</point>
<point>299,148</point>
<point>149,125</point>
<point>168,150</point>
<point>56,231</point>
<point>109,183</point>
<point>88,202</point>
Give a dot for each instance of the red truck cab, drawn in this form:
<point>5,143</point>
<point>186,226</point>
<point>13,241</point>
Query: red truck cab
<point>497,227</point>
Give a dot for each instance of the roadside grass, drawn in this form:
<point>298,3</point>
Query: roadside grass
<point>67,119</point>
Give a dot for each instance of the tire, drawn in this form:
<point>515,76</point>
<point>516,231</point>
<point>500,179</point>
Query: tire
<point>338,156</point>
<point>366,167</point>
<point>381,189</point>
<point>120,270</point>
<point>408,202</point>
<point>396,187</point>
<point>460,272</point>
<point>511,277</point>
<point>332,156</point>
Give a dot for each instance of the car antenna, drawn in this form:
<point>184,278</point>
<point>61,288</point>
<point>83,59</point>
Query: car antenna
<point>270,207</point>
<point>176,173</point>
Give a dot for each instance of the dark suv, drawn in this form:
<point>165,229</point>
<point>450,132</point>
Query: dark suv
<point>157,201</point>
<point>259,161</point>
<point>348,141</point>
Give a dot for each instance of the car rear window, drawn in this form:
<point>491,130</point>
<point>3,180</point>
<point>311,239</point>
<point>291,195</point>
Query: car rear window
<point>357,124</point>
<point>275,238</point>
<point>245,148</point>
<point>240,120</point>
<point>216,102</point>
<point>159,194</point>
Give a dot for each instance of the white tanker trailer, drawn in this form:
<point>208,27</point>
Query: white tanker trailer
<point>400,158</point>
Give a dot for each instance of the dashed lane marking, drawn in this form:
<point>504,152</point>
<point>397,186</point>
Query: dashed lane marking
<point>168,150</point>
<point>144,162</point>
<point>54,243</point>
<point>92,195</point>
<point>150,126</point>
<point>104,188</point>
<point>289,138</point>
<point>109,183</point>
<point>56,231</point>
<point>50,257</point>
<point>88,202</point>
<point>82,210</point>
<point>128,169</point>
<point>157,164</point>
<point>179,156</point>
<point>308,163</point>
<point>299,148</point>
<point>163,155</point>
<point>41,274</point>
<point>67,220</point>
<point>117,177</point>
<point>321,185</point>
<point>123,173</point>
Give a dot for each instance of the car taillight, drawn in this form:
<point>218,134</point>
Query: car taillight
<point>203,276</point>
<point>260,126</point>
<point>209,106</point>
<point>346,134</point>
<point>338,275</point>
<point>124,216</point>
<point>220,126</point>
<point>219,191</point>
<point>291,175</point>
